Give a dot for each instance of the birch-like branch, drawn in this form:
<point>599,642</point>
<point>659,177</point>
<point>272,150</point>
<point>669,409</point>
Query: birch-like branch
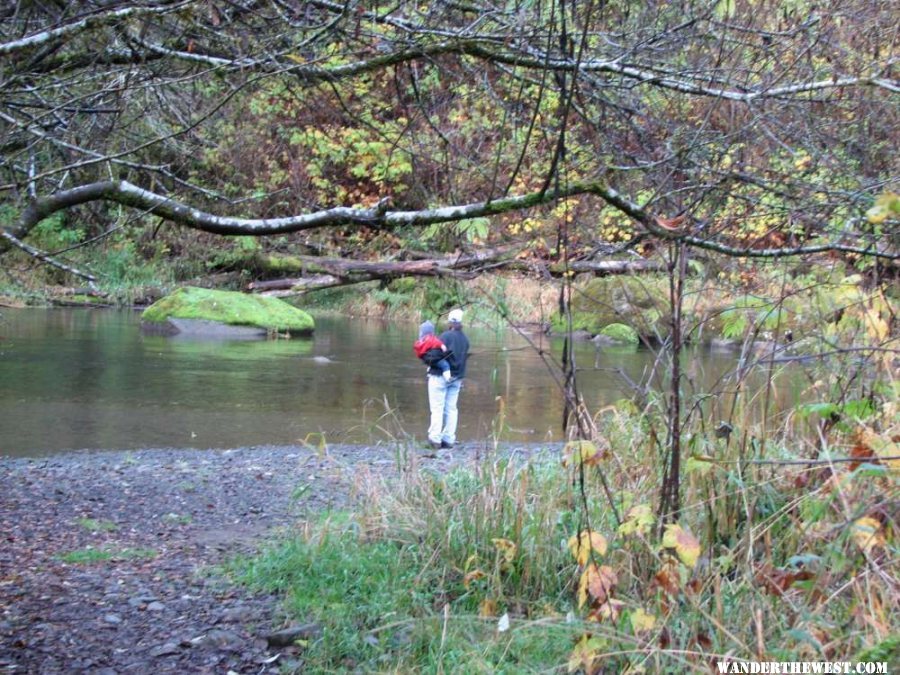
<point>128,194</point>
<point>67,31</point>
<point>43,257</point>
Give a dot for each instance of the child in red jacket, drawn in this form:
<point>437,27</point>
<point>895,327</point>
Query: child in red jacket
<point>431,350</point>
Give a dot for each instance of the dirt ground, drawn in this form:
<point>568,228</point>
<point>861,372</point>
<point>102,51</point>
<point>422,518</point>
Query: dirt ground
<point>163,521</point>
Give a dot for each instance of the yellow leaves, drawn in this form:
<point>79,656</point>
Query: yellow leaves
<point>596,583</point>
<point>472,577</point>
<point>506,549</point>
<point>876,327</point>
<point>638,520</point>
<point>608,611</point>
<point>582,544</point>
<point>867,534</point>
<point>803,162</point>
<point>488,608</point>
<point>585,654</point>
<point>886,206</point>
<point>581,452</point>
<point>686,546</point>
<point>641,621</point>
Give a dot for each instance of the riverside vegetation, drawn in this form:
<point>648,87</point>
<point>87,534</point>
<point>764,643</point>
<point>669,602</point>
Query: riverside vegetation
<point>530,565</point>
<point>744,151</point>
<point>784,547</point>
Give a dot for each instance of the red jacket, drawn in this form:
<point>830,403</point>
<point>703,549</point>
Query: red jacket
<point>426,343</point>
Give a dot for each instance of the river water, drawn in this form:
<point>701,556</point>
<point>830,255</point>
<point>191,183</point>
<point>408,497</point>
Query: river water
<point>90,379</point>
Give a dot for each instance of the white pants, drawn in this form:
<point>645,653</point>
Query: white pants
<point>442,399</point>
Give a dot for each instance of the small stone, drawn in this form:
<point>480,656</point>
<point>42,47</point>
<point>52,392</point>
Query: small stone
<point>140,600</point>
<point>223,639</point>
<point>288,636</point>
<point>165,650</point>
<point>114,619</point>
<point>236,614</point>
<point>155,606</point>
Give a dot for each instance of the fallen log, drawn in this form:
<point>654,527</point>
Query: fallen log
<point>319,273</point>
<point>329,272</point>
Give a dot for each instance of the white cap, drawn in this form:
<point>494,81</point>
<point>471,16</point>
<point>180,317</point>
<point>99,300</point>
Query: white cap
<point>455,316</point>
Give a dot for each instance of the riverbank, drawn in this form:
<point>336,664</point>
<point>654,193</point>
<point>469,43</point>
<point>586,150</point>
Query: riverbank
<point>721,306</point>
<point>110,561</point>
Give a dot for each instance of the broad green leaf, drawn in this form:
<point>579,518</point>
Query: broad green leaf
<point>577,452</point>
<point>639,519</point>
<point>699,464</point>
<point>586,651</point>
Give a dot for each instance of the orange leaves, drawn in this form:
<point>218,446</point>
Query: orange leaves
<point>488,608</point>
<point>596,583</point>
<point>582,545</point>
<point>668,578</point>
<point>686,546</point>
<point>670,224</point>
<point>871,444</point>
<point>608,611</point>
<point>777,581</point>
<point>860,451</point>
<point>472,576</point>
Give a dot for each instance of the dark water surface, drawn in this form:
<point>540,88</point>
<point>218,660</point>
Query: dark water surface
<point>80,378</point>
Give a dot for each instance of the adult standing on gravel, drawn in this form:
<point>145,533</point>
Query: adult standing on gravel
<point>443,395</point>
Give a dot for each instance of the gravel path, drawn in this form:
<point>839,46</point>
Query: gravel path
<point>163,519</point>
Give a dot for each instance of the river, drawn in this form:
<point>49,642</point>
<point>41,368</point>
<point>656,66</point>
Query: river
<point>75,379</point>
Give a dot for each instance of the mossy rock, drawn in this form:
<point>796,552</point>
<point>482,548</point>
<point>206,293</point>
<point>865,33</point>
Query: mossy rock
<point>201,307</point>
<point>639,302</point>
<point>619,333</point>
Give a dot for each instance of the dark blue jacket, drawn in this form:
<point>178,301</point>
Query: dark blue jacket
<point>458,347</point>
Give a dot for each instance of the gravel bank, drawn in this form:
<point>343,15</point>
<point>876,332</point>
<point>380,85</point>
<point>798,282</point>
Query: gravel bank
<point>161,520</point>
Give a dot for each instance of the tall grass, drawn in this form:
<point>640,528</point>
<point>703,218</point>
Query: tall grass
<point>469,569</point>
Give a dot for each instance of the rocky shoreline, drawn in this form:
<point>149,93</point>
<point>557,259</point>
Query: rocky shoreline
<point>109,559</point>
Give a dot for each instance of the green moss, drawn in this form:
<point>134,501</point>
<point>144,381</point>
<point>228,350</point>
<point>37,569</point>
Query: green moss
<point>619,332</point>
<point>283,264</point>
<point>231,308</point>
<point>602,301</point>
<point>404,285</point>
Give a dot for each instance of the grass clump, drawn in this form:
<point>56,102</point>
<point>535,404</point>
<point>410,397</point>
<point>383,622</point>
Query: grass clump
<point>97,525</point>
<point>533,566</point>
<point>420,578</point>
<point>90,556</point>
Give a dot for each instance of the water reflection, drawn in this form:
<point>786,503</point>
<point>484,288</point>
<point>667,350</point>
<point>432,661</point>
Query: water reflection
<point>72,379</point>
